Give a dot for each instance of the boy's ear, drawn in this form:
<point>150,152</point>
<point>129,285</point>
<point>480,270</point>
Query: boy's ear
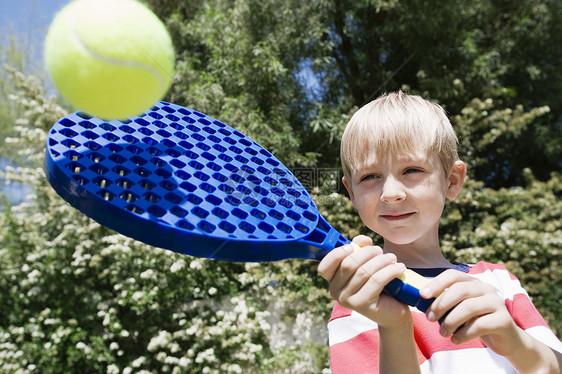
<point>347,185</point>
<point>456,179</point>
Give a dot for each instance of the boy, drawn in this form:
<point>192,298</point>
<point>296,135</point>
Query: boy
<point>400,162</point>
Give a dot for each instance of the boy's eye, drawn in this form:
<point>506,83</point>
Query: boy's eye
<point>368,177</point>
<point>412,170</point>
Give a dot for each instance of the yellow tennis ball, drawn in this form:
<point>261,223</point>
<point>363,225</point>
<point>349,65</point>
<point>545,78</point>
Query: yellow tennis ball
<point>109,58</point>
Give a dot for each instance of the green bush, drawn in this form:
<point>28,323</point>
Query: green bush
<point>519,227</point>
<point>78,297</point>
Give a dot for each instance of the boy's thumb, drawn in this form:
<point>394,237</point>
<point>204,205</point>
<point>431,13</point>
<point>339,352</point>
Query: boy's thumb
<point>362,240</point>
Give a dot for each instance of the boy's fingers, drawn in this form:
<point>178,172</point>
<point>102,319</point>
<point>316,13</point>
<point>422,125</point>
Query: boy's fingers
<point>330,263</point>
<point>345,258</point>
<point>357,258</point>
<point>443,281</point>
<point>373,270</point>
<point>473,328</point>
<point>362,240</point>
<point>466,310</point>
<point>461,302</point>
<point>354,270</point>
<point>368,289</point>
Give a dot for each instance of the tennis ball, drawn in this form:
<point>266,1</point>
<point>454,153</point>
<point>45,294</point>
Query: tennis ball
<point>109,58</point>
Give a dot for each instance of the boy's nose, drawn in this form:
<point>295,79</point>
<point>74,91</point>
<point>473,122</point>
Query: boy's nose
<point>392,191</point>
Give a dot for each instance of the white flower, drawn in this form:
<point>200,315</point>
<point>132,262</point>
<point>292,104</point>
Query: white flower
<point>161,356</point>
<point>175,348</point>
<point>234,368</point>
<point>147,274</point>
<point>138,362</point>
<point>33,275</point>
<point>212,291</point>
<point>138,295</point>
<point>255,348</point>
<point>184,362</point>
<point>177,266</point>
<point>159,341</point>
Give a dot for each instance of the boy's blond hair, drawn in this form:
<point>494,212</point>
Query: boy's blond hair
<point>397,123</point>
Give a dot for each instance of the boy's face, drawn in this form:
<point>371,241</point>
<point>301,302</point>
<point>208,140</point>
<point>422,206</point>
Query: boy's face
<point>401,197</point>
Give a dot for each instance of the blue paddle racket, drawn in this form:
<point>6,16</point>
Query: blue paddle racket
<point>180,180</point>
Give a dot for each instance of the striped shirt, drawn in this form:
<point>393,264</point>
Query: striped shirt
<point>354,338</point>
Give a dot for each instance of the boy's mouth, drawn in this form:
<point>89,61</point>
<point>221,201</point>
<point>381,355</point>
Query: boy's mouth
<point>396,216</point>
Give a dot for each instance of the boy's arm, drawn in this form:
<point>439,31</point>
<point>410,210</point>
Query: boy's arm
<point>357,279</point>
<point>472,309</point>
<point>397,350</point>
<point>532,356</point>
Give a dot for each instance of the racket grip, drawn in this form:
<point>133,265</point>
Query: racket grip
<point>406,288</point>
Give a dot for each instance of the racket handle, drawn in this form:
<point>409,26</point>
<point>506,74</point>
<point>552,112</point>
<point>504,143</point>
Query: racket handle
<point>406,288</point>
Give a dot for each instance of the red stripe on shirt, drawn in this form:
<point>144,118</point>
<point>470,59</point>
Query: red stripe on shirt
<point>524,312</point>
<point>429,340</point>
<point>356,355</point>
<point>339,311</point>
<point>482,266</point>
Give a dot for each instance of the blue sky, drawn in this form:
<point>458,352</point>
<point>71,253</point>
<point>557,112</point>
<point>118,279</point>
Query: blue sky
<point>28,20</point>
<point>25,15</point>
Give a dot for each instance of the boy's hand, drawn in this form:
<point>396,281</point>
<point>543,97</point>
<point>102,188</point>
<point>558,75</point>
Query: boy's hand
<point>357,279</point>
<point>474,311</point>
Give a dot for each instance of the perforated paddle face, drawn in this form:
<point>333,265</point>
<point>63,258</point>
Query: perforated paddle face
<point>181,180</point>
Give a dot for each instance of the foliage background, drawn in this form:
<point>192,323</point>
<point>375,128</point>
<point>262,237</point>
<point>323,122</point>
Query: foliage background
<point>76,297</point>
